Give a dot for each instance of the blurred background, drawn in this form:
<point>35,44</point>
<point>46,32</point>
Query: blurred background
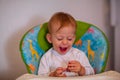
<point>18,16</point>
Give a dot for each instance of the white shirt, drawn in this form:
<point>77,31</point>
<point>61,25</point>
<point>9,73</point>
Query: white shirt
<point>52,60</point>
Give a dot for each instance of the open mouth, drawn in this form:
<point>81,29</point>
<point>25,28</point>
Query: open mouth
<point>63,49</point>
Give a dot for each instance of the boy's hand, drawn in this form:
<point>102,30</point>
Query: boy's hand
<point>75,66</point>
<point>58,72</point>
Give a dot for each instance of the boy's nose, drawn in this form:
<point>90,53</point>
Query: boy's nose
<point>65,41</point>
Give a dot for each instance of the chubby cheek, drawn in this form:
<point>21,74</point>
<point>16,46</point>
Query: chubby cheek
<point>56,44</point>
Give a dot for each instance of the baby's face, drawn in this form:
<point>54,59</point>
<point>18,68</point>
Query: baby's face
<point>63,39</point>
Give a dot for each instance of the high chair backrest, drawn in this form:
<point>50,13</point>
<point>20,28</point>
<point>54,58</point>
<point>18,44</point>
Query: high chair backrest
<point>89,38</point>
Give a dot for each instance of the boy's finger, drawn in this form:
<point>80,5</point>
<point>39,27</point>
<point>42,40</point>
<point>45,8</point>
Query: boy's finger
<point>62,75</point>
<point>71,65</point>
<point>64,69</point>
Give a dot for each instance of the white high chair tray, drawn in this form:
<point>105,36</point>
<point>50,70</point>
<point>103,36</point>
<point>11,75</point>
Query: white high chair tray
<point>108,75</point>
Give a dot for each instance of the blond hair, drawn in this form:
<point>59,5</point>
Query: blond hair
<point>61,19</point>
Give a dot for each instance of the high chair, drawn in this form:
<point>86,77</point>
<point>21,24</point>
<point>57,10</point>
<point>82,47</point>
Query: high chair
<point>89,38</point>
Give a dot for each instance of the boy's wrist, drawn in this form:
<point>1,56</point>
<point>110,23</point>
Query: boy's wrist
<point>81,71</point>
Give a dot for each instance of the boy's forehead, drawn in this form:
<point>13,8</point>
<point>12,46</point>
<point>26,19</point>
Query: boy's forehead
<point>62,34</point>
<point>57,27</point>
<point>54,28</point>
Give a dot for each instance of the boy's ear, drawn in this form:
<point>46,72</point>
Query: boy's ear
<point>48,37</point>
